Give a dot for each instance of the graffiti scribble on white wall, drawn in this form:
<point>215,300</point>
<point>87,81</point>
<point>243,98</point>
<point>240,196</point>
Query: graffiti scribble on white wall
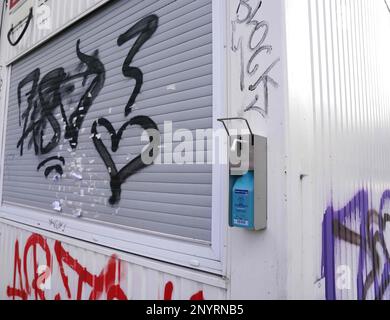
<point>251,44</point>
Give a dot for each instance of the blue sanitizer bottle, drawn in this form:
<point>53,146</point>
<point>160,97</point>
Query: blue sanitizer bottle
<point>243,202</point>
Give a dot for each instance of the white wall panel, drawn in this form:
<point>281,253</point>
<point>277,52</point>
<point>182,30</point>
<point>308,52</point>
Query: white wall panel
<point>256,91</point>
<point>339,116</point>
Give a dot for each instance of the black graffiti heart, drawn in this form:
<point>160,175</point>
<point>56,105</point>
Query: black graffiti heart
<point>117,178</point>
<point>115,136</point>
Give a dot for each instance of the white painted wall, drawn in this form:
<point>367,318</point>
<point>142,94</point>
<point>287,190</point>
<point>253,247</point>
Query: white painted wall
<point>304,246</point>
<point>258,259</point>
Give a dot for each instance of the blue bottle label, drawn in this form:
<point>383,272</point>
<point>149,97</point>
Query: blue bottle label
<point>241,207</point>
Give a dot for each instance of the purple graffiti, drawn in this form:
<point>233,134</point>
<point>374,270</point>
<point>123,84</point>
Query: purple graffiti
<point>371,271</point>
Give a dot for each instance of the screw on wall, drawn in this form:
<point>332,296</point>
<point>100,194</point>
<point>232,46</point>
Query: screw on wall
<point>302,176</point>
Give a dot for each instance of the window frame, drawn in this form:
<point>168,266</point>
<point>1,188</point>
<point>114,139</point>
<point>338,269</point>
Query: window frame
<point>194,254</point>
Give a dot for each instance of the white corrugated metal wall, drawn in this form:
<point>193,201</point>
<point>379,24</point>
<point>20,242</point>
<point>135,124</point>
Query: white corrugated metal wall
<point>339,113</point>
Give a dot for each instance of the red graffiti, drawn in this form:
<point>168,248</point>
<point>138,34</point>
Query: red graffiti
<point>197,296</point>
<point>14,292</point>
<point>24,292</point>
<point>101,285</point>
<point>104,285</point>
<point>168,291</point>
<point>13,3</point>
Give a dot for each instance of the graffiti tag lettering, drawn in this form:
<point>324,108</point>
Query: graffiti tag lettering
<point>373,265</point>
<point>246,15</point>
<point>105,285</point>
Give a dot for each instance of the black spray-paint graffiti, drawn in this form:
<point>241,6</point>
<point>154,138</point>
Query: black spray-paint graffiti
<point>145,28</point>
<point>58,168</point>
<point>45,96</point>
<point>119,177</point>
<point>246,16</point>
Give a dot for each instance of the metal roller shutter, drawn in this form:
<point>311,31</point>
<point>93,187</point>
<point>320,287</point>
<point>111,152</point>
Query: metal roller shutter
<point>170,42</point>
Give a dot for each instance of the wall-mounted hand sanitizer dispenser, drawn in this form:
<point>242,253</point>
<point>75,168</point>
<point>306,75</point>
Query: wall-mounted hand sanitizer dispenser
<point>248,179</point>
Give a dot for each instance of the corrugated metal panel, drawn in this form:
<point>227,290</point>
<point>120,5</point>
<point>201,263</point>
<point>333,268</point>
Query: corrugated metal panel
<point>344,181</point>
<point>177,66</point>
<point>46,22</point>
<point>85,269</point>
